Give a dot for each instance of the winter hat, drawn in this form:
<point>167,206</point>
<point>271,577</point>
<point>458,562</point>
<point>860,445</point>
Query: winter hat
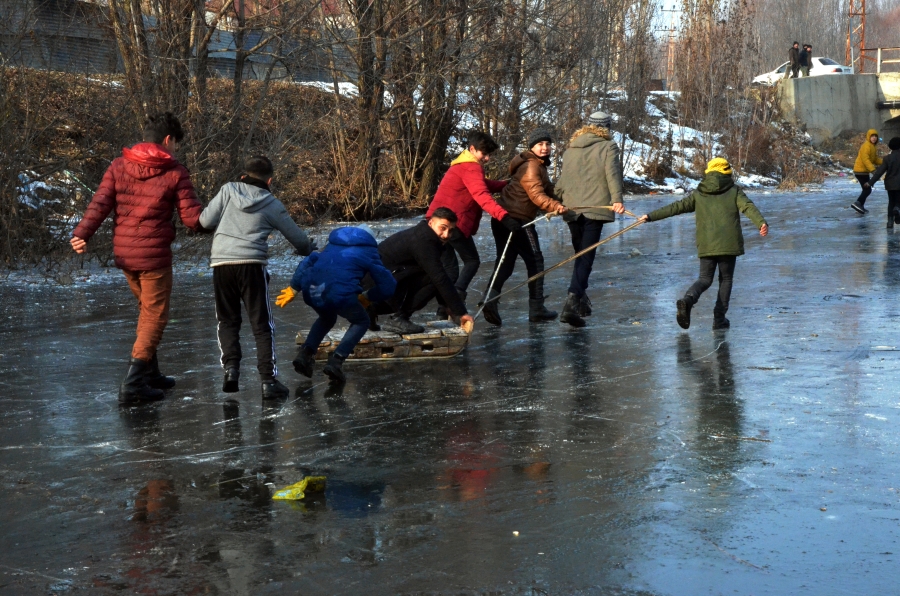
<point>537,135</point>
<point>718,164</point>
<point>600,119</point>
<point>365,228</point>
<point>894,144</point>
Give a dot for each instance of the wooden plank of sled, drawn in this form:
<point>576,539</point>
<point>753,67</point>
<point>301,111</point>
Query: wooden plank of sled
<point>441,339</point>
<point>418,336</point>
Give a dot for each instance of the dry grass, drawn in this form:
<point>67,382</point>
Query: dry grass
<point>57,122</point>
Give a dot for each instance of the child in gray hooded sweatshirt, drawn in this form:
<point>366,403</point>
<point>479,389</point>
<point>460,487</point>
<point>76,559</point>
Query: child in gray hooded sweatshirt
<point>243,215</point>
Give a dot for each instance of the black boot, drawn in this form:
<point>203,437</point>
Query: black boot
<point>230,382</point>
<point>570,312</point>
<point>332,368</point>
<point>274,389</point>
<point>684,307</point>
<point>537,312</point>
<point>584,307</point>
<point>156,379</point>
<point>373,318</point>
<point>305,361</point>
<point>719,320</point>
<point>491,310</point>
<point>134,388</point>
<point>400,324</point>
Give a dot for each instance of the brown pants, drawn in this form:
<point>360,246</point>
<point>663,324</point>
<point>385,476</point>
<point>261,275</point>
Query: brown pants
<point>153,290</point>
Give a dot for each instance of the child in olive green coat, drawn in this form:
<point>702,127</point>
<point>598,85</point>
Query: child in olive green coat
<point>718,204</point>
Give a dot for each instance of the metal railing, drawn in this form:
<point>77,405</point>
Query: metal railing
<point>879,56</point>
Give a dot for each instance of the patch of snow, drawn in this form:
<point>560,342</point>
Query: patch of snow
<point>345,89</point>
<point>756,181</point>
<point>652,110</point>
<point>31,191</point>
<point>113,84</point>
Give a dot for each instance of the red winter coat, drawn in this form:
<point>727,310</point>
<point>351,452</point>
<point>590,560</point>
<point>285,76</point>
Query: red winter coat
<point>466,192</point>
<point>144,187</point>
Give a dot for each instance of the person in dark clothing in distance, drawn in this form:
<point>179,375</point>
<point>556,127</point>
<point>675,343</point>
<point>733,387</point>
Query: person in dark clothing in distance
<point>244,214</point>
<point>414,257</point>
<point>793,66</point>
<point>890,169</point>
<point>805,60</point>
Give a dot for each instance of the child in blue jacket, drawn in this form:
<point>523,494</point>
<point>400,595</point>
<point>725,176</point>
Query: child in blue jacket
<point>330,283</point>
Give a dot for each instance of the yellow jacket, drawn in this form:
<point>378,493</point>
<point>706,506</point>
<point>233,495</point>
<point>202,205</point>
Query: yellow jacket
<point>868,159</point>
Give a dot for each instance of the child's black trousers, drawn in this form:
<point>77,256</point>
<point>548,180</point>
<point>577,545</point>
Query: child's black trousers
<point>248,285</point>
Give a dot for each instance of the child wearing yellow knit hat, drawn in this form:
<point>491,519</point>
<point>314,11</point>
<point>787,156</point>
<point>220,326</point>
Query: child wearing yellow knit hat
<point>717,203</point>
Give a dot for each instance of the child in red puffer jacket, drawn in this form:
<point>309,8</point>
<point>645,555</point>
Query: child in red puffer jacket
<point>144,187</point>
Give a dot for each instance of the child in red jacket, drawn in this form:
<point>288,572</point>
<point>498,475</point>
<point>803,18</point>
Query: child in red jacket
<point>144,187</point>
<point>465,191</point>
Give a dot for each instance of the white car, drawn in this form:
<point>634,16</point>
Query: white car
<point>821,66</point>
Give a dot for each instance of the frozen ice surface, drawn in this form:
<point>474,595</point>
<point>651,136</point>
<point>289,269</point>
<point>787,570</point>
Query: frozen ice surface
<point>630,458</point>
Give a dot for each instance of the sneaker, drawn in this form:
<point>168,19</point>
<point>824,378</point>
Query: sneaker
<point>401,325</point>
<point>722,323</point>
<point>230,383</point>
<point>684,313</point>
<point>274,389</point>
<point>858,208</point>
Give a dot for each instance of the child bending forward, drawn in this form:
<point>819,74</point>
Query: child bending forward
<point>330,283</point>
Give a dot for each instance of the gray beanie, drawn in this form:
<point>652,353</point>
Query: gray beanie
<point>600,119</point>
<point>537,135</point>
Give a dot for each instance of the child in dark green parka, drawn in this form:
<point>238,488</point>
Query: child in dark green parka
<point>718,203</point>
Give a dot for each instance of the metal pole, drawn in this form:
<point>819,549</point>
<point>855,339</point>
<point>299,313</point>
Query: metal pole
<point>561,263</point>
<point>503,256</point>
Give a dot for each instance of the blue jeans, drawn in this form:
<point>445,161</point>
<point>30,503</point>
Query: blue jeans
<point>585,232</point>
<point>359,323</point>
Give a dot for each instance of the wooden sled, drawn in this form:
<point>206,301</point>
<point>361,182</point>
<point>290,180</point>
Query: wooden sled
<point>441,339</point>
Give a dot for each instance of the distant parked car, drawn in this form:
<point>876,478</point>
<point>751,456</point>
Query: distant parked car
<point>821,66</point>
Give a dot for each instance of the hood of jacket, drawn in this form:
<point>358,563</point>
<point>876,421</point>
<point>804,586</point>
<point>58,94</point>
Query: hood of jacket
<point>351,236</point>
<point>146,160</point>
<point>589,135</point>
<point>464,157</point>
<point>869,134</point>
<point>250,198</point>
<point>715,183</point>
<point>521,158</point>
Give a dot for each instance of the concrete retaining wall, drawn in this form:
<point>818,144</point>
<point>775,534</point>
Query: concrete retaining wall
<point>830,105</point>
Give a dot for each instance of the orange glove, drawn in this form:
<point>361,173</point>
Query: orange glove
<point>285,296</point>
<point>364,300</point>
